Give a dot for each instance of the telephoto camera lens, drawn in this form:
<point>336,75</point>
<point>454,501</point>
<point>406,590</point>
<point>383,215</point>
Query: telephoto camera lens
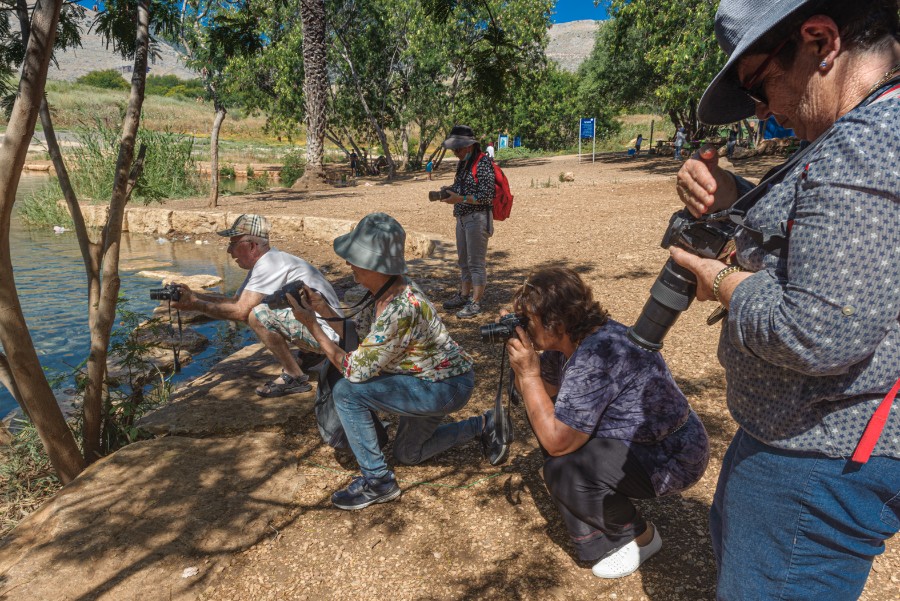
<point>671,294</point>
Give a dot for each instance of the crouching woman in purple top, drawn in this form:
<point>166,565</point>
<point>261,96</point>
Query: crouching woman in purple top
<point>611,422</point>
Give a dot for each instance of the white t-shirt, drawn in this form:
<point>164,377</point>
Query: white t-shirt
<point>490,151</point>
<point>276,268</point>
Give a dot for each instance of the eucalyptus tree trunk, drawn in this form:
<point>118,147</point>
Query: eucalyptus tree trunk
<point>103,289</point>
<point>214,153</point>
<point>35,395</point>
<point>315,90</point>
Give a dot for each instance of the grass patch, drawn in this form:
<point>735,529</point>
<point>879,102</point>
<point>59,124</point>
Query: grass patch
<point>27,479</point>
<point>44,207</point>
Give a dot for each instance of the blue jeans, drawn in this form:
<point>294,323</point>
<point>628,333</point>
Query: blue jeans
<point>421,406</point>
<point>797,526</point>
<point>472,233</point>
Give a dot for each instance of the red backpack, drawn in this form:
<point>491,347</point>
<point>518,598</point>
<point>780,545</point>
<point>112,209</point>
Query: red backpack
<point>503,198</point>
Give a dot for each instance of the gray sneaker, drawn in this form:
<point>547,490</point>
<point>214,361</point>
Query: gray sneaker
<point>470,310</point>
<point>456,301</point>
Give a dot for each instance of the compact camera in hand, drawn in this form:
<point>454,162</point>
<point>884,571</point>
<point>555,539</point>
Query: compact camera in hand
<point>504,329</point>
<point>169,292</point>
<point>438,195</point>
<point>279,298</point>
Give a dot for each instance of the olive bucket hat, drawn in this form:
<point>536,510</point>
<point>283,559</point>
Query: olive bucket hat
<point>376,243</point>
<point>460,137</point>
<point>739,25</point>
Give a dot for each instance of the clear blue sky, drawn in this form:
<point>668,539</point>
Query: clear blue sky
<point>577,10</point>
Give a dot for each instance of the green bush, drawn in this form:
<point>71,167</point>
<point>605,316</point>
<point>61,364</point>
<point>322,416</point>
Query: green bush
<point>227,172</point>
<point>169,172</point>
<point>293,168</point>
<point>109,79</point>
<point>172,86</point>
<point>44,206</point>
<point>258,183</point>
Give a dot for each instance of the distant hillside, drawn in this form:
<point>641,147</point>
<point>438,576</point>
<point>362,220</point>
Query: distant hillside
<point>94,56</point>
<point>571,43</point>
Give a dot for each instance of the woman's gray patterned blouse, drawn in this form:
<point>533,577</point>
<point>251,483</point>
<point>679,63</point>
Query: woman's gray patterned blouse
<point>483,189</point>
<point>811,344</point>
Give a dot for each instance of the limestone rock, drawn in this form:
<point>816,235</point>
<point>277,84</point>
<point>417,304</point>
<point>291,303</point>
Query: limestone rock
<point>184,499</point>
<point>326,228</point>
<point>568,176</point>
<point>158,333</point>
<point>162,313</point>
<point>223,401</point>
<point>193,281</point>
<point>198,222</point>
<point>149,221</point>
<point>158,360</point>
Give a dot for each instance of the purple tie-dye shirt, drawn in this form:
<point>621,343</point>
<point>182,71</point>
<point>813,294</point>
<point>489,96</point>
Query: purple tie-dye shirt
<point>611,388</point>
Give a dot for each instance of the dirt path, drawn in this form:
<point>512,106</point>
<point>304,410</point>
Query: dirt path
<point>462,529</point>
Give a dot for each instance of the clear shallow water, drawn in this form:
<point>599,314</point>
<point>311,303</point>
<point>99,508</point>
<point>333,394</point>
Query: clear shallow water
<point>51,283</point>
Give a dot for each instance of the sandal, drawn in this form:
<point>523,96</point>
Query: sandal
<point>288,385</point>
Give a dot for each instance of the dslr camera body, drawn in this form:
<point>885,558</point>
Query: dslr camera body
<point>504,329</point>
<point>711,237</point>
<point>279,298</point>
<point>169,292</point>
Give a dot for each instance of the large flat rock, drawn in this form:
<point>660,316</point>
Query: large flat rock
<point>132,524</point>
<point>223,401</point>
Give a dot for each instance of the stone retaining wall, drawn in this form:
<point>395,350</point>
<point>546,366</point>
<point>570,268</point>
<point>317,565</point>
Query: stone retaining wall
<point>162,222</point>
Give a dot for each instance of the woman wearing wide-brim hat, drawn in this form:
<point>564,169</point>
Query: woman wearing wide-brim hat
<point>809,488</point>
<point>407,365</point>
<point>472,198</point>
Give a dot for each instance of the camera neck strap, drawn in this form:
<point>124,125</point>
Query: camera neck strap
<point>365,302</point>
<point>774,238</point>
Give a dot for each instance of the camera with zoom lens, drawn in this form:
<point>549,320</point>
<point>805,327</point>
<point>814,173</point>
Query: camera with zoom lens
<point>169,292</point>
<point>711,237</point>
<point>279,298</point>
<point>438,195</point>
<point>504,329</point>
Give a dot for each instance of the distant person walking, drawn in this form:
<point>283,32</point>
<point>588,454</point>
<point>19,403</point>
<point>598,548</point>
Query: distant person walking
<point>679,143</point>
<point>354,164</point>
<point>429,168</point>
<point>637,144</point>
<point>490,149</point>
<point>732,141</point>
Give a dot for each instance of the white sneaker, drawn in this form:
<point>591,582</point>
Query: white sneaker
<point>627,559</point>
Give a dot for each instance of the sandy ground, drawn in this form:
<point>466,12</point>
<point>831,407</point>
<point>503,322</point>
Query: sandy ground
<point>464,530</point>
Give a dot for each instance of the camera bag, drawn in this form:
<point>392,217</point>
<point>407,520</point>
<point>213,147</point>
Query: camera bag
<point>503,198</point>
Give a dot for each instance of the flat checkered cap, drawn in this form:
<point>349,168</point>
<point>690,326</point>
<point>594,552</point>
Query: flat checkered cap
<point>248,225</point>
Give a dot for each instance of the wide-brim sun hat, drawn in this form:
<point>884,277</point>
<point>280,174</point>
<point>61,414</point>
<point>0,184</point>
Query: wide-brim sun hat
<point>739,25</point>
<point>377,243</point>
<point>460,137</point>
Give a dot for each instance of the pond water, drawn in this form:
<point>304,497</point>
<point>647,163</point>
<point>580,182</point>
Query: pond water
<point>51,283</point>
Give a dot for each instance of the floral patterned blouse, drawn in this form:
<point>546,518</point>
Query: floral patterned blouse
<point>407,338</point>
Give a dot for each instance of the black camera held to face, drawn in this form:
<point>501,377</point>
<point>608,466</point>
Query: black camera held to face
<point>169,292</point>
<point>279,298</point>
<point>711,237</point>
<point>503,330</point>
<point>438,195</point>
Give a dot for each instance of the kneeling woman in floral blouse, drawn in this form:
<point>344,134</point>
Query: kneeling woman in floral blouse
<point>407,365</point>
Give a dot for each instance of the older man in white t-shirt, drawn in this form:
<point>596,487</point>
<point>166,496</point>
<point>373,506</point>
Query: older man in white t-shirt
<point>269,270</point>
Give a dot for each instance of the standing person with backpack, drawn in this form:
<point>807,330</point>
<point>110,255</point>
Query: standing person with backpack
<point>472,196</point>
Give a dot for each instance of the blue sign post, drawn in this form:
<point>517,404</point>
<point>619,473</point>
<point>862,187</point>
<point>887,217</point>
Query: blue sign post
<point>588,131</point>
<point>503,141</point>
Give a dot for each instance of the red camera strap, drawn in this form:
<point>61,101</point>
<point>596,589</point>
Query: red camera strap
<point>873,430</point>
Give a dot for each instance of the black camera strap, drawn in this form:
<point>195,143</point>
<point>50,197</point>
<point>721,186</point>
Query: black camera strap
<point>500,413</point>
<point>365,302</point>
<point>176,346</point>
<point>774,238</point>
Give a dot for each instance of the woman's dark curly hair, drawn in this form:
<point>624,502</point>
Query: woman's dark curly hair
<point>561,299</point>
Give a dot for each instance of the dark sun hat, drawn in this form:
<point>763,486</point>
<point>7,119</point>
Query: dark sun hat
<point>460,137</point>
<point>377,243</point>
<point>739,25</point>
